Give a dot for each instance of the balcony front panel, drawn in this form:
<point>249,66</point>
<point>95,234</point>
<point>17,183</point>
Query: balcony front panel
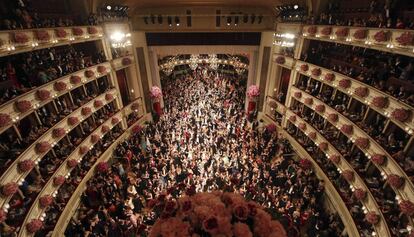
<point>123,62</point>
<point>36,102</point>
<point>284,61</point>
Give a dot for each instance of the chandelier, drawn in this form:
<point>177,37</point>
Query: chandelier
<point>194,61</point>
<point>168,67</point>
<point>240,70</point>
<point>239,67</point>
<point>213,61</point>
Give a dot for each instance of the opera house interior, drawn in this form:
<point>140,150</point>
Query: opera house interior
<point>187,118</point>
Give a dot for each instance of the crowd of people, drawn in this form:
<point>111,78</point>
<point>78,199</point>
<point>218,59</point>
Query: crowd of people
<point>378,14</point>
<point>202,142</point>
<point>393,74</point>
<point>23,72</point>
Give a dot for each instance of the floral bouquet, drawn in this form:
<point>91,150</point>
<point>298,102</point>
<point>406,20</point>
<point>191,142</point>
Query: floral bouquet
<point>213,214</point>
<point>155,92</point>
<point>253,91</point>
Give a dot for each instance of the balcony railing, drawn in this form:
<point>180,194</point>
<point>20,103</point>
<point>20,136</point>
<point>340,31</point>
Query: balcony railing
<point>398,41</point>
<point>390,167</point>
<point>369,202</point>
<point>19,41</point>
<point>13,173</point>
<point>36,102</point>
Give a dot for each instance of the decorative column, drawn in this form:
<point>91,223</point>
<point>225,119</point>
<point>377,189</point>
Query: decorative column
<point>156,96</point>
<point>253,94</point>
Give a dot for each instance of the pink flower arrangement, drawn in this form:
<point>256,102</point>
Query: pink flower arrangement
<point>341,32</point>
<point>89,73</point>
<point>4,119</point>
<point>302,126</point>
<point>20,37</point>
<point>58,132</point>
<point>86,111</point>
<point>360,34</point>
<point>271,128</point>
<point>114,120</point>
<point>102,167</point>
<point>345,83</point>
<point>308,101</point>
<point>42,147</point>
<point>92,30</point>
<point>297,94</point>
<point>333,117</point>
<point>304,67</point>
<point>43,94</point>
<point>329,77</point>
<point>380,102</point>
<point>135,106</point>
<point>42,35</point>
<point>101,69</point>
<point>77,31</point>
<point>292,118</point>
<point>72,163</point>
<point>347,129</point>
<point>312,135</point>
<point>323,146</point>
<point>326,31</point>
<point>378,159</point>
<point>126,61</point>
<point>105,129</point>
<point>60,33</point>
<point>60,86</point>
<point>34,225</point>
<point>45,201</point>
<point>136,129</point>
<point>316,72</point>
<point>59,180</point>
<point>83,150</point>
<point>217,214</point>
<point>381,36</point>
<point>372,218</point>
<point>26,165</point>
<point>75,79</point>
<point>361,91</point>
<point>360,194</point>
<point>73,121</point>
<point>401,114</point>
<point>23,105</point>
<point>280,60</point>
<point>9,189</point>
<point>98,103</point>
<point>335,159</point>
<point>348,175</point>
<point>94,138</point>
<point>155,92</point>
<point>305,164</point>
<point>312,30</point>
<point>3,215</point>
<point>362,142</point>
<point>407,207</point>
<point>395,180</point>
<point>109,97</point>
<point>405,39</point>
<point>320,108</point>
<point>253,91</point>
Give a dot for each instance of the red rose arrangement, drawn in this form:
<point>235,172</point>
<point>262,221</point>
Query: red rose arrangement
<point>401,115</point>
<point>45,201</point>
<point>72,163</point>
<point>381,36</point>
<point>92,30</point>
<point>360,194</point>
<point>20,37</point>
<point>341,32</point>
<point>114,120</point>
<point>3,215</point>
<point>335,159</point>
<point>312,135</point>
<point>345,83</point>
<point>292,118</point>
<point>60,33</point>
<point>326,31</point>
<point>73,121</point>
<point>280,60</point>
<point>98,103</point>
<point>304,67</point>
<point>34,225</point>
<point>60,86</point>
<point>77,31</point>
<point>316,72</point>
<point>348,175</point>
<point>58,132</point>
<point>362,142</point>
<point>23,105</point>
<point>86,111</point>
<point>312,30</point>
<point>347,129</point>
<point>302,126</point>
<point>372,218</point>
<point>320,108</point>
<point>407,207</point>
<point>101,69</point>
<point>9,189</point>
<point>215,213</point>
<point>405,39</point>
<point>26,165</point>
<point>109,97</point>
<point>83,150</point>
<point>42,35</point>
<point>75,79</point>
<point>333,117</point>
<point>330,77</point>
<point>94,138</point>
<point>59,180</point>
<point>380,102</point>
<point>298,94</point>
<point>126,61</point>
<point>89,73</point>
<point>360,34</point>
<point>361,91</point>
<point>43,94</point>
<point>308,101</point>
<point>323,146</point>
<point>378,159</point>
<point>395,180</point>
<point>105,129</point>
<point>4,120</point>
<point>42,147</point>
